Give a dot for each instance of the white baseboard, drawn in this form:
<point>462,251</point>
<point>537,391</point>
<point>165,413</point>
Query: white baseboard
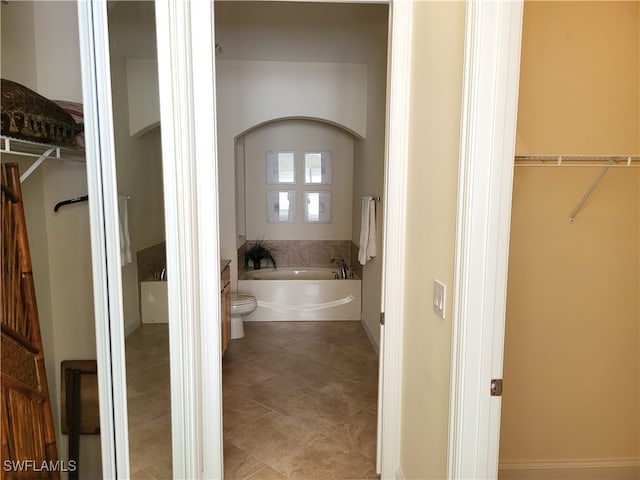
<point>131,326</point>
<point>372,339</point>
<point>597,469</point>
<point>400,474</point>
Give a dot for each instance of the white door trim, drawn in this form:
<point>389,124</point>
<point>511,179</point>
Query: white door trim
<point>186,61</point>
<point>487,145</point>
<point>395,188</point>
<point>105,237</point>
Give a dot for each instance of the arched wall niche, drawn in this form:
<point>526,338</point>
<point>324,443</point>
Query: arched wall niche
<point>298,135</point>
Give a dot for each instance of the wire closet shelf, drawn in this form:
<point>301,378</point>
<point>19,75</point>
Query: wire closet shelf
<point>39,151</point>
<point>534,160</point>
<point>604,161</point>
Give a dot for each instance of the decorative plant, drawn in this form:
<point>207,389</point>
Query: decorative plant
<point>256,252</point>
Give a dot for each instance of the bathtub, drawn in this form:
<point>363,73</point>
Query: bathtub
<point>301,293</point>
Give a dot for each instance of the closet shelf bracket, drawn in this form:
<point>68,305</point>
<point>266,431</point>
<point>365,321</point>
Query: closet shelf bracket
<point>592,187</point>
<point>39,151</point>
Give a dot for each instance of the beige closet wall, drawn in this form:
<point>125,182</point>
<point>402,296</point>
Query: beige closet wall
<point>572,365</point>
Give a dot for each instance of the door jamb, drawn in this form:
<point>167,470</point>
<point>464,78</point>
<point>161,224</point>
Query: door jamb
<point>395,187</point>
<point>105,237</point>
<point>485,181</point>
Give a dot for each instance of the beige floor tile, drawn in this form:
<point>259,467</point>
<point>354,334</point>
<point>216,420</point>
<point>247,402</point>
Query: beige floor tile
<point>279,389</point>
<point>267,473</point>
<point>315,373</point>
<point>270,437</point>
<point>140,475</point>
<point>358,392</point>
<point>370,475</point>
<point>239,409</point>
<point>323,459</point>
<point>244,375</point>
<point>316,410</point>
<point>353,365</point>
<point>161,470</point>
<point>357,433</point>
<point>241,348</point>
<point>150,443</point>
<point>373,408</point>
<point>279,361</point>
<point>238,464</point>
<point>149,406</point>
<point>141,380</point>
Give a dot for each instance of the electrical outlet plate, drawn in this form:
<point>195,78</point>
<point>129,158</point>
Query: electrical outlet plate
<point>439,298</point>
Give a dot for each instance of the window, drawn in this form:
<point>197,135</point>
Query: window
<point>317,207</point>
<point>281,167</point>
<point>318,168</point>
<point>281,206</point>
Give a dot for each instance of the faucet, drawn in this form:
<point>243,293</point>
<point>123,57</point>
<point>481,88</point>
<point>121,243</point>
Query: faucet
<point>342,265</point>
<point>163,274</point>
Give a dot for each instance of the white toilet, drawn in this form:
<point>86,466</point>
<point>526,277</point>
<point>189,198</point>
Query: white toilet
<point>241,305</point>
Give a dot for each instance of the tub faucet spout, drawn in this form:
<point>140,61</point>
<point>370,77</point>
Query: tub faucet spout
<point>342,265</point>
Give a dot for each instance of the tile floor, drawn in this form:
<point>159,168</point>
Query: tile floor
<point>149,402</point>
<point>299,402</point>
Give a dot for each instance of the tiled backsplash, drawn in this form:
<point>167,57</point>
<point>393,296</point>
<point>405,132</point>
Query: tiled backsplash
<point>288,253</point>
<point>355,264</point>
<point>304,253</point>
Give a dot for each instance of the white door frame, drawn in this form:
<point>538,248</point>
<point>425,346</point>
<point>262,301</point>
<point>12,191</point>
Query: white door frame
<point>395,188</point>
<point>186,69</point>
<point>485,180</point>
<point>105,237</point>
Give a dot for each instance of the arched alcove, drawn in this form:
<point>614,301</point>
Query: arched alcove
<point>312,119</point>
<point>296,135</point>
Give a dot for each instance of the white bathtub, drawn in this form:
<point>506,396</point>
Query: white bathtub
<point>301,293</point>
<point>154,302</point>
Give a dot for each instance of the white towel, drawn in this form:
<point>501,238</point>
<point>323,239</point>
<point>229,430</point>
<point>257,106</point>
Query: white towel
<point>125,241</point>
<point>367,230</point>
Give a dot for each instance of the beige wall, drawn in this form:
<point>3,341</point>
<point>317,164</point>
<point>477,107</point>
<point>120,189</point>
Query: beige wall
<point>298,136</point>
<point>571,365</point>
<point>368,176</point>
<point>138,159</point>
<point>59,242</point>
<point>438,38</point>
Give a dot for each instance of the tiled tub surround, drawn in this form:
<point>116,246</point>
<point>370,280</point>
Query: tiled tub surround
<point>303,253</point>
<point>299,402</point>
<point>151,261</point>
<point>355,264</point>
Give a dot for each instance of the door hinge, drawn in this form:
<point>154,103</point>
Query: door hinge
<point>381,318</point>
<point>496,387</point>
